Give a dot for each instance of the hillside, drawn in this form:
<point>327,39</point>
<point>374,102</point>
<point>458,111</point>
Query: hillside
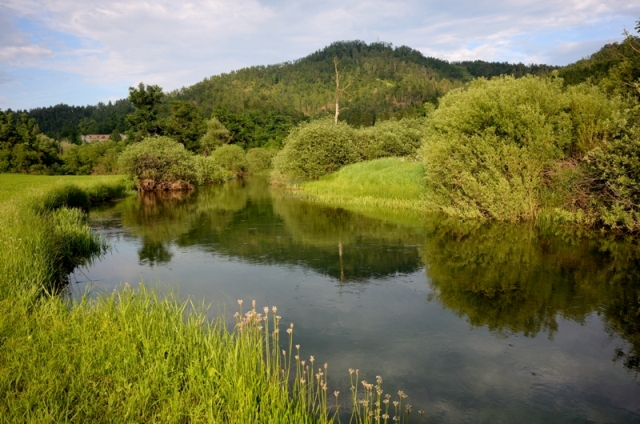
<point>381,82</point>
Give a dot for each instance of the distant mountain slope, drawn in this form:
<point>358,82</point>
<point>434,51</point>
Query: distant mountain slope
<point>381,82</point>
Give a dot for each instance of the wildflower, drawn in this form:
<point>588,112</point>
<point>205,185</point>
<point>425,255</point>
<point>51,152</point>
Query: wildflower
<point>291,325</point>
<point>408,408</point>
<point>298,347</point>
<point>289,331</point>
<point>312,359</point>
<point>297,357</point>
<point>302,380</point>
<point>420,412</point>
<point>284,353</point>
<point>240,302</point>
<point>303,362</point>
<point>336,393</point>
<point>395,403</point>
<point>253,303</point>
<point>274,309</point>
<point>350,371</point>
<point>266,310</point>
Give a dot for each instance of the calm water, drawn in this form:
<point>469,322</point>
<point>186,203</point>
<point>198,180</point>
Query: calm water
<point>476,324</point>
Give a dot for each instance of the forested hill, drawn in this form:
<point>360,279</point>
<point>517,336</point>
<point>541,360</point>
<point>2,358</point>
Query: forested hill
<point>380,82</point>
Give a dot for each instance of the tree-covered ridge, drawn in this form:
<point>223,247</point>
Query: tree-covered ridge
<point>380,82</point>
<point>263,102</point>
<point>69,122</point>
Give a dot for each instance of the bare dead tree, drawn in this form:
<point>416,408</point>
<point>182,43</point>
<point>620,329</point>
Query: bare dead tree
<point>338,89</point>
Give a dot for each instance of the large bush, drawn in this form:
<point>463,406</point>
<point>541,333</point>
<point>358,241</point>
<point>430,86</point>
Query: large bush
<point>486,146</point>
<point>260,159</point>
<point>159,163</point>
<point>615,172</point>
<point>391,138</point>
<point>231,158</point>
<point>315,149</point>
<point>208,170</point>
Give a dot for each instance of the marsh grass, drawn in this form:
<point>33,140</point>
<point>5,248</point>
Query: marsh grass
<point>131,356</point>
<point>388,183</point>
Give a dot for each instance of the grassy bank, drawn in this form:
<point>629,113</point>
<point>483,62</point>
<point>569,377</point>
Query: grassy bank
<point>394,184</point>
<point>128,357</point>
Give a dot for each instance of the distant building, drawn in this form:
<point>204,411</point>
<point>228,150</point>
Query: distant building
<point>90,138</point>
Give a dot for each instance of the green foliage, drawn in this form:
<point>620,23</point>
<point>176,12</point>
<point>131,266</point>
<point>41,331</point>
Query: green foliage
<point>88,126</point>
<point>260,159</point>
<point>100,157</point>
<point>184,124</point>
<point>384,82</point>
<point>63,121</point>
<point>487,146</point>
<point>231,158</point>
<point>22,148</point>
<point>208,170</point>
<point>216,135</point>
<point>315,149</point>
<point>615,169</point>
<point>159,163</point>
<point>255,128</point>
<point>148,103</point>
<point>391,138</point>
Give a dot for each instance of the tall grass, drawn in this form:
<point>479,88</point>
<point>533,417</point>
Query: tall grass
<point>389,183</point>
<point>132,356</point>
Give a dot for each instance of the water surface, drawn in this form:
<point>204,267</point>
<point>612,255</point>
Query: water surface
<point>475,323</point>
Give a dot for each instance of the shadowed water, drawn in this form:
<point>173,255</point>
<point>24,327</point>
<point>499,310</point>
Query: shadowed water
<point>475,323</point>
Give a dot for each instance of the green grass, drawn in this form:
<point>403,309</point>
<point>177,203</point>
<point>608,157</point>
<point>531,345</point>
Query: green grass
<point>383,185</point>
<point>131,356</point>
<point>18,185</point>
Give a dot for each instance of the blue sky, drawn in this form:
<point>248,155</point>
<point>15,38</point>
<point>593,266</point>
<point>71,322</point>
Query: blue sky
<point>86,51</point>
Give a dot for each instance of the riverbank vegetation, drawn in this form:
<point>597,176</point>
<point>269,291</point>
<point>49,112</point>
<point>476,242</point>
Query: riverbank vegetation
<point>128,356</point>
<point>131,355</point>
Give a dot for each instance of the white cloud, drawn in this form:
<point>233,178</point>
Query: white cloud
<point>178,43</point>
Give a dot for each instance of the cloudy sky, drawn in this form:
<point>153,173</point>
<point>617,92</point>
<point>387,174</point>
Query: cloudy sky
<point>85,51</point>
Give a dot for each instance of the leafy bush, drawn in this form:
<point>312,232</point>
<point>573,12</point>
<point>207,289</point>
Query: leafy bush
<point>615,170</point>
<point>159,163</point>
<point>260,159</point>
<point>391,138</point>
<point>208,171</point>
<point>487,146</point>
<point>95,158</point>
<point>231,158</point>
<point>315,149</point>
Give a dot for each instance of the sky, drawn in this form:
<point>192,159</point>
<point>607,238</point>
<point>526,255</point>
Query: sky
<point>83,52</point>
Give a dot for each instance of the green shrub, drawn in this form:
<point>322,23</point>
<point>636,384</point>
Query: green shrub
<point>159,163</point>
<point>231,158</point>
<point>95,158</point>
<point>391,138</point>
<point>209,172</point>
<point>487,145</point>
<point>315,149</point>
<point>260,159</point>
<point>615,170</point>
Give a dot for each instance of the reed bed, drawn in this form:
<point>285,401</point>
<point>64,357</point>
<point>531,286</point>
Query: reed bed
<point>386,184</point>
<point>131,356</point>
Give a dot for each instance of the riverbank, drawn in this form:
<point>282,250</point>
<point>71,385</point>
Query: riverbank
<point>126,357</point>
